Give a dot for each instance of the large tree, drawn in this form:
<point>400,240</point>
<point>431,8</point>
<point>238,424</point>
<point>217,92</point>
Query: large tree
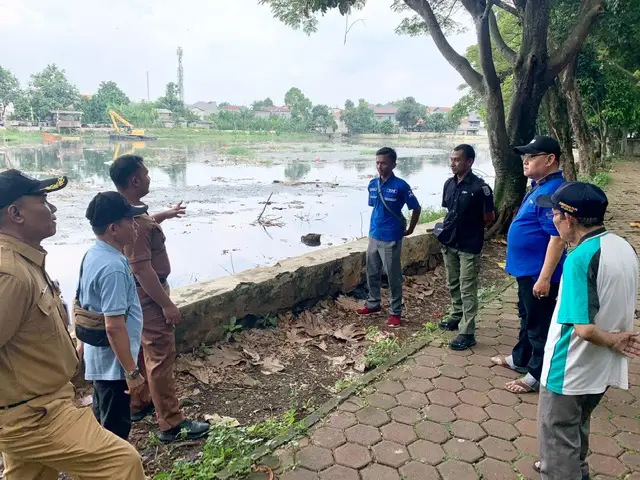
<point>299,104</point>
<point>9,90</point>
<point>535,67</point>
<point>409,112</point>
<point>109,95</point>
<point>50,90</point>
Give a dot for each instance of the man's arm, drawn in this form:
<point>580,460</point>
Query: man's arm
<point>412,204</point>
<point>119,341</point>
<point>489,208</point>
<point>415,217</point>
<point>177,211</point>
<point>625,343</point>
<point>150,283</point>
<point>15,296</point>
<point>555,248</point>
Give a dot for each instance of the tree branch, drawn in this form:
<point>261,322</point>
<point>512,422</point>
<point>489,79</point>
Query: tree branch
<point>505,50</point>
<point>506,7</point>
<point>457,61</point>
<point>589,12</point>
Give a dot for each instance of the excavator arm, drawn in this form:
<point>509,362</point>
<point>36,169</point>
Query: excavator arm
<point>116,117</point>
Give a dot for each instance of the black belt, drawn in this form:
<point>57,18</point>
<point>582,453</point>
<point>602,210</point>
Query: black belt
<point>162,281</point>
<point>14,405</point>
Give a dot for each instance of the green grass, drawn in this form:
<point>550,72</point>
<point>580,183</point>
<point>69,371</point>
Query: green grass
<point>428,214</point>
<point>239,151</point>
<point>601,179</point>
<point>381,349</point>
<point>368,152</point>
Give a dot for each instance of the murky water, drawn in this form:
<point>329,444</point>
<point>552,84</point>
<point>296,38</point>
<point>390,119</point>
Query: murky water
<point>315,188</point>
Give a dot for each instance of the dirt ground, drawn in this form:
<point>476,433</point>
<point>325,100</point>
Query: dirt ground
<point>261,373</point>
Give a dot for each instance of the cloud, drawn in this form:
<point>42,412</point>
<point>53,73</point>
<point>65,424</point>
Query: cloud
<point>233,51</point>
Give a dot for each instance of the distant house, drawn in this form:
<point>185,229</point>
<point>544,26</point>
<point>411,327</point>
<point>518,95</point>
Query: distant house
<point>65,119</point>
<point>385,112</point>
<point>203,109</point>
<point>232,108</point>
<point>273,111</point>
<point>432,110</point>
<point>201,124</point>
<point>165,117</point>
<point>337,117</point>
<point>470,125</point>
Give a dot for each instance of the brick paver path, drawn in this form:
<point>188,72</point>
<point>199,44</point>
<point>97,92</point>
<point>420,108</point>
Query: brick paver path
<point>445,415</point>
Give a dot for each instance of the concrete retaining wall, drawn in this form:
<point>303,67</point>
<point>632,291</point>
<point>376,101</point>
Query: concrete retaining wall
<point>207,306</point>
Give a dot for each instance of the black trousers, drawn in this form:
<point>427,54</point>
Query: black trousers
<point>112,407</point>
<point>535,318</point>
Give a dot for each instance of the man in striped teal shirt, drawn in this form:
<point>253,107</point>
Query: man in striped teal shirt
<point>591,333</point>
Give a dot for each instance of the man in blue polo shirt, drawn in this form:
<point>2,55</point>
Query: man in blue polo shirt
<point>535,254</point>
<point>387,195</point>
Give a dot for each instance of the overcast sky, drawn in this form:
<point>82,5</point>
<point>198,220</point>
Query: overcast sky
<point>233,51</point>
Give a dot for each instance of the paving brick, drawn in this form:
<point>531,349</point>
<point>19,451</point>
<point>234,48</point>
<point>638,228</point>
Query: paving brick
<point>426,452</point>
<point>503,350</point>
<point>352,455</point>
<point>400,373</point>
<point>373,416</point>
<point>476,383</point>
<point>418,471</point>
<point>525,468</point>
<point>381,400</point>
<point>606,465</point>
<point>470,412</point>
<point>602,426</point>
<point>438,413</point>
<point>455,361</point>
<point>428,360</point>
<point>449,384</point>
<point>464,353</point>
<point>531,398</point>
<point>433,432</point>
<point>628,411</point>
<point>473,398</point>
<point>379,472</point>
<point>464,450</point>
<point>527,410</point>
<point>499,381</point>
<point>404,414</point>
<point>480,371</point>
<point>503,397</point>
<point>434,351</point>
<point>484,349</point>
<point>452,371</point>
<point>502,413</point>
<point>338,472</point>
<point>314,458</point>
<point>298,474</point>
<point>601,412</point>
<point>488,332</point>
<point>456,470</point>
<point>527,427</point>
<point>444,398</point>
<point>328,437</point>
<point>363,434</point>
<point>421,385</point>
<point>604,446</point>
<point>500,429</point>
<point>399,433</point>
<point>389,387</point>
<point>619,396</point>
<point>351,405</point>
<point>626,424</point>
<point>412,399</point>
<point>527,446</point>
<point>501,371</point>
<point>630,441</point>
<point>390,453</point>
<point>467,430</point>
<point>499,449</point>
<point>631,460</point>
<point>481,360</point>
<point>492,469</point>
<point>341,420</point>
<point>424,372</point>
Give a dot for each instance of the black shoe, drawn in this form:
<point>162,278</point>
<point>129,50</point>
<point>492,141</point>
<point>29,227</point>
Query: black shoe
<point>450,325</point>
<point>462,342</point>
<point>187,430</point>
<point>144,413</point>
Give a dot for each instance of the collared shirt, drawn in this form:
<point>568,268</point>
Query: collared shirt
<point>467,202</point>
<point>530,232</point>
<point>599,287</point>
<point>150,246</point>
<point>107,286</point>
<point>37,356</point>
<point>386,226</point>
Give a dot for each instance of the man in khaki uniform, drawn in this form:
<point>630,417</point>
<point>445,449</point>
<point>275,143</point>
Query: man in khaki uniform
<point>42,431</point>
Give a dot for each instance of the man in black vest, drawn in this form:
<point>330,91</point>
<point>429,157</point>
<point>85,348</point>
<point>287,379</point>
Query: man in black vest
<point>469,203</point>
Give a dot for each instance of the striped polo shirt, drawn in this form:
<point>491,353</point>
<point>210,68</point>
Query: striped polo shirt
<point>598,286</point>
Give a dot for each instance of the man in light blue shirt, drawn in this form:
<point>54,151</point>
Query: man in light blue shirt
<point>107,287</point>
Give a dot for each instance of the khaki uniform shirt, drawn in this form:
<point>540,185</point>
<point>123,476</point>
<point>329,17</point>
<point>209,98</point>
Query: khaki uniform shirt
<point>37,356</point>
<point>150,245</point>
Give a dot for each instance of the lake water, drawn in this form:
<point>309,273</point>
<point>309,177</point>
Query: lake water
<point>315,188</point>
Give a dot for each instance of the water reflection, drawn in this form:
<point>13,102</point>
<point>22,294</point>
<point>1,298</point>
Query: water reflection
<point>406,166</point>
<point>296,170</point>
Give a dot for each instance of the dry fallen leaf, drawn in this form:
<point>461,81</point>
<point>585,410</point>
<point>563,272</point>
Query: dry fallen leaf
<point>312,325</point>
<point>348,304</point>
<point>216,419</point>
<point>635,224</point>
<point>322,346</point>
<point>360,363</point>
<point>225,356</point>
<point>254,356</point>
<point>271,365</point>
<point>350,333</point>
<point>339,361</point>
<point>295,336</point>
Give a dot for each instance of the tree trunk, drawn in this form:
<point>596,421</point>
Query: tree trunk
<point>586,153</point>
<point>555,109</point>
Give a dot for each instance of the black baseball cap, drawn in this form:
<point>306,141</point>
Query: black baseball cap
<point>110,207</point>
<point>540,144</point>
<point>15,184</point>
<point>578,199</point>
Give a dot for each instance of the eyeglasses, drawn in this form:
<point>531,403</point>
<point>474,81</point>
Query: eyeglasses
<point>528,157</point>
<point>552,214</point>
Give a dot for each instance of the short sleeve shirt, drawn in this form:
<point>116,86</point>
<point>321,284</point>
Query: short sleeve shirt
<point>107,286</point>
<point>530,232</point>
<point>386,226</point>
<point>150,246</point>
<point>467,202</point>
<point>599,286</point>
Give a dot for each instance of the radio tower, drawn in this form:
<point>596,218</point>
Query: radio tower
<point>180,76</point>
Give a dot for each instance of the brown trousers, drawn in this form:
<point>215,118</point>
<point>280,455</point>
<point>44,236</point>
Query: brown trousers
<point>156,363</point>
<point>50,434</point>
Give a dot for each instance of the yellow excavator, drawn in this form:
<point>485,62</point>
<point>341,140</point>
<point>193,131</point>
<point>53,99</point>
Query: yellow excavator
<point>134,146</point>
<point>128,132</point>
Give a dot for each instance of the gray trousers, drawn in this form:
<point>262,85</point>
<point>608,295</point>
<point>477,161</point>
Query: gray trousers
<point>384,255</point>
<point>563,434</point>
<point>462,275</point>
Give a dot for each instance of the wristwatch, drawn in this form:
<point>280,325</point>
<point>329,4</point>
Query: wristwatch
<point>132,375</point>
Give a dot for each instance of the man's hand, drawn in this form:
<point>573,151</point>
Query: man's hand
<point>408,232</point>
<point>626,343</point>
<point>171,314</point>
<point>80,349</point>
<point>135,385</point>
<point>175,211</point>
<point>541,288</point>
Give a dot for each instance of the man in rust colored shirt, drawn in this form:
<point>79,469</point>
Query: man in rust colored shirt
<point>150,264</point>
<point>42,430</point>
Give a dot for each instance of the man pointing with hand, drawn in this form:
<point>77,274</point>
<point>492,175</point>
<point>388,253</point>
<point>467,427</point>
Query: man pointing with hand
<point>150,264</point>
